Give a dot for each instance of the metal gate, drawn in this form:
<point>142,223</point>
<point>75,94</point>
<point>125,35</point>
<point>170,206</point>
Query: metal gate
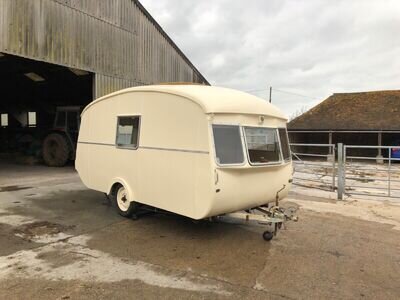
<point>314,165</point>
<point>368,171</point>
<point>349,169</point>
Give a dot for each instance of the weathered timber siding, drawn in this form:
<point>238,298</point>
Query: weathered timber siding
<point>115,39</point>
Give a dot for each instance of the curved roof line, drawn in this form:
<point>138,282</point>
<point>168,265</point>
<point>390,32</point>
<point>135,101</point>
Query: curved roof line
<point>210,98</point>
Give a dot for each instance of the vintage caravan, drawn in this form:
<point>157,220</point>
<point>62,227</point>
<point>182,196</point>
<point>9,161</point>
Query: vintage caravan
<point>197,151</point>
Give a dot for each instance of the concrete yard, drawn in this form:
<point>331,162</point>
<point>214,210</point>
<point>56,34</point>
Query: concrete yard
<point>59,240</point>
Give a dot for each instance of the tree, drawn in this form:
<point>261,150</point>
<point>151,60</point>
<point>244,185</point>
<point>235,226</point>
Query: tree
<point>298,113</point>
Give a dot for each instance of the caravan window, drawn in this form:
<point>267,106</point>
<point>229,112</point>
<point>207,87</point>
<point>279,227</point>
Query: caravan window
<point>128,131</point>
<point>283,136</point>
<point>262,145</point>
<point>228,144</point>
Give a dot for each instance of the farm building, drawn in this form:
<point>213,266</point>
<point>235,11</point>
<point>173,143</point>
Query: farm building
<point>62,54</point>
<point>365,118</point>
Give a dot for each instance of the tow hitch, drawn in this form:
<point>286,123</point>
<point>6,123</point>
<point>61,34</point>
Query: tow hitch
<point>274,217</point>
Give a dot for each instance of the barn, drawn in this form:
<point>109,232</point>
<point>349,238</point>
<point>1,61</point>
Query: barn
<point>56,56</point>
<point>363,118</point>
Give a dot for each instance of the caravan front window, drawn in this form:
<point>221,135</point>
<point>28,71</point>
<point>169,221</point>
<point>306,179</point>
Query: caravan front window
<point>228,144</point>
<point>128,132</point>
<point>262,145</point>
<point>283,136</point>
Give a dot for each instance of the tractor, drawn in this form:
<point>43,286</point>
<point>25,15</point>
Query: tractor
<point>59,144</point>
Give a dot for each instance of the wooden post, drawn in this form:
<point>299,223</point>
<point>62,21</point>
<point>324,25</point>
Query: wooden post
<point>270,94</point>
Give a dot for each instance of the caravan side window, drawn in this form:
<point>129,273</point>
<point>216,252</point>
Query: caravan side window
<point>128,132</point>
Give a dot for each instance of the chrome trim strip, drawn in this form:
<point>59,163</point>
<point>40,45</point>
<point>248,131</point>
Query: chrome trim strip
<point>150,148</point>
<point>92,143</point>
<point>176,150</point>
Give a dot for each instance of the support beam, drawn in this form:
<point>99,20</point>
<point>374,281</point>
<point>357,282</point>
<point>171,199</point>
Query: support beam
<point>331,156</point>
<point>379,157</point>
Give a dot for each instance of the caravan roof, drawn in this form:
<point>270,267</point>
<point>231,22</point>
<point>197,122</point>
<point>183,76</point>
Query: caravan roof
<point>211,99</point>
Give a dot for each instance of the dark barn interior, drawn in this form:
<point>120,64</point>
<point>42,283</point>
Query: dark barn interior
<point>31,91</point>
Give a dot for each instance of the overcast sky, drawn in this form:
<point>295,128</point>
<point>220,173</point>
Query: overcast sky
<point>312,48</point>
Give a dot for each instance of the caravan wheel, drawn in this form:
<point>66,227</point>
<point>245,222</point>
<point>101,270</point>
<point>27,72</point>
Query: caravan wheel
<point>120,201</point>
<point>267,236</point>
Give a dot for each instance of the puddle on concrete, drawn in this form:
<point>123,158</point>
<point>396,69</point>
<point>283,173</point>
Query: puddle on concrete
<point>40,228</point>
<point>10,243</point>
<point>12,188</point>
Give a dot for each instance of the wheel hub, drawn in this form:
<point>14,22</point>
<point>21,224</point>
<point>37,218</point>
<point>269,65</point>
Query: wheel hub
<point>122,200</point>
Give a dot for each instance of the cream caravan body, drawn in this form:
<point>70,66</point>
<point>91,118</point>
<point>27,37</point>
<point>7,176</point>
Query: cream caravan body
<point>198,151</point>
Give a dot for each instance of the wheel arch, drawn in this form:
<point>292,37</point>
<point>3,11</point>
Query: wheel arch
<point>119,181</point>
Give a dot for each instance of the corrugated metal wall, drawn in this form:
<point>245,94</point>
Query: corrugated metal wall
<point>115,39</point>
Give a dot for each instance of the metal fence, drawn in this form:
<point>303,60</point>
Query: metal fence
<point>348,169</point>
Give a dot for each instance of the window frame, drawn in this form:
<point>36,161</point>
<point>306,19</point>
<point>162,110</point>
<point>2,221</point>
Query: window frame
<point>130,147</point>
<point>28,119</point>
<point>289,159</point>
<point>241,141</point>
<point>6,118</point>
<point>274,163</point>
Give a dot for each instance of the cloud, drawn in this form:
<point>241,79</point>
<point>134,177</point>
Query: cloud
<point>312,48</point>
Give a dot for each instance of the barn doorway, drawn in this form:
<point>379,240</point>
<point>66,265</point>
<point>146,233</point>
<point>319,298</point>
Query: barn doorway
<point>32,94</point>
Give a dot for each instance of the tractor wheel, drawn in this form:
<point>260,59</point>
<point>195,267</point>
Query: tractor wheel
<point>56,150</point>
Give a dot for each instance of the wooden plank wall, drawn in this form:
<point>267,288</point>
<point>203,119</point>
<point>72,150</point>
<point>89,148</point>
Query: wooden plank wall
<point>115,39</point>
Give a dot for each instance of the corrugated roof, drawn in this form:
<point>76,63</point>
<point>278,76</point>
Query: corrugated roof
<point>212,99</point>
<point>378,110</point>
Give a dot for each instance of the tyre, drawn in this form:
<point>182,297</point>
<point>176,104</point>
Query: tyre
<point>267,236</point>
<point>119,200</point>
<point>56,150</point>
